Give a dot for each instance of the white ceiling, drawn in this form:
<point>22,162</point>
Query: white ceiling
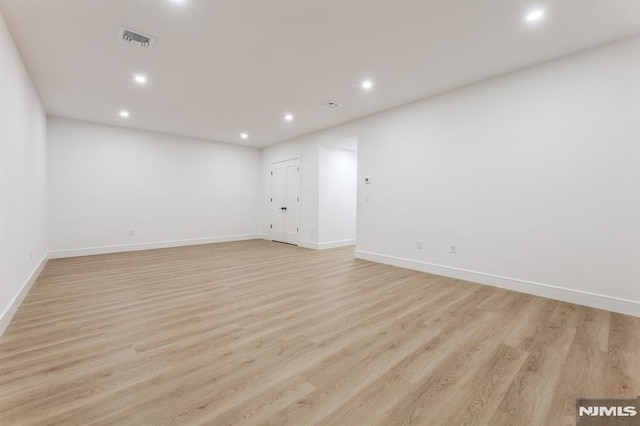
<point>221,67</point>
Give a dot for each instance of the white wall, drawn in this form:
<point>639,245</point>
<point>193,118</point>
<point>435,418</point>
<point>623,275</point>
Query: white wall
<point>534,176</point>
<point>337,196</point>
<point>22,180</point>
<point>107,181</point>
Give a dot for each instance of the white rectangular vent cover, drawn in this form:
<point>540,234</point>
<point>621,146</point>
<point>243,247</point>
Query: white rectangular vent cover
<point>136,38</point>
<point>331,105</point>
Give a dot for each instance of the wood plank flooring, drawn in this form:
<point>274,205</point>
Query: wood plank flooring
<point>257,332</point>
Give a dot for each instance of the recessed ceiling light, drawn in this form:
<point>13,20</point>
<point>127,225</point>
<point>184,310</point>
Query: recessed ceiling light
<point>178,1</point>
<point>534,16</point>
<point>288,117</point>
<point>367,85</point>
<point>124,114</point>
<point>244,136</point>
<point>140,79</point>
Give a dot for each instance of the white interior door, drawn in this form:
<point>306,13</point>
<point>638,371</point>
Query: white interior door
<point>292,202</point>
<point>285,201</point>
<point>277,202</point>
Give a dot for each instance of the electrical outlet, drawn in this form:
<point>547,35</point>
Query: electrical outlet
<point>366,197</point>
<point>419,245</point>
<point>132,233</point>
<point>312,231</point>
<point>454,250</point>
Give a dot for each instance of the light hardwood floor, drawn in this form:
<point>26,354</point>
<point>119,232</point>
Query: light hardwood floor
<point>263,333</point>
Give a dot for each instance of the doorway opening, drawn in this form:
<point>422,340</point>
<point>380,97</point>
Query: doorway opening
<point>338,180</point>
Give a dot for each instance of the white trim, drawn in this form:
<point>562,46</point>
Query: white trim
<point>297,157</point>
<point>334,244</point>
<point>326,245</point>
<point>89,251</point>
<point>600,301</point>
<point>11,310</point>
<point>309,245</point>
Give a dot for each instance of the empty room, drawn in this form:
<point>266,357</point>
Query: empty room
<point>305,212</point>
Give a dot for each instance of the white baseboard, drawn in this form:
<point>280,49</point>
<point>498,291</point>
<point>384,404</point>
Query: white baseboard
<point>89,251</point>
<point>326,245</point>
<point>600,301</point>
<point>11,310</point>
<point>308,244</point>
<point>335,244</point>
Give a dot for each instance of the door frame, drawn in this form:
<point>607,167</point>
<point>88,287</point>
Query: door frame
<point>299,215</point>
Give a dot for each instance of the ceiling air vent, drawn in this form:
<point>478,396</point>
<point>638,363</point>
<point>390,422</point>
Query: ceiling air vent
<point>136,38</point>
<point>331,105</point>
